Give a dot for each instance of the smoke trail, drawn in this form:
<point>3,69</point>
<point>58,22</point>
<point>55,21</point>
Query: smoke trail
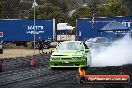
<point>119,53</point>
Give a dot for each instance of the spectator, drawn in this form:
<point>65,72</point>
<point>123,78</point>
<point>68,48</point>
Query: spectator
<point>40,46</point>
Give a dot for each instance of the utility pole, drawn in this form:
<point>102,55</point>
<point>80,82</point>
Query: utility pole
<point>93,16</point>
<point>94,12</point>
<point>34,6</point>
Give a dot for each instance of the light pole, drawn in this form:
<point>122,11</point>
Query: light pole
<point>93,17</point>
<point>94,12</point>
<point>34,6</point>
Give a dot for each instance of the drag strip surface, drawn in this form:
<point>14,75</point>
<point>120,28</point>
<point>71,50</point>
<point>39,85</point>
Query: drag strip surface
<point>41,76</point>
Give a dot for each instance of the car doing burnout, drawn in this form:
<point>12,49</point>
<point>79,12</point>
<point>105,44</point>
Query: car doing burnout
<point>70,54</point>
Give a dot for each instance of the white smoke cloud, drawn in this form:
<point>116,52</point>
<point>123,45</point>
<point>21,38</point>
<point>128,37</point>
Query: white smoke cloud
<point>119,53</point>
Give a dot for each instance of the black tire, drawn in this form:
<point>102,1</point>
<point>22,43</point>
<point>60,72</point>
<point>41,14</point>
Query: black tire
<point>1,51</point>
<point>46,46</point>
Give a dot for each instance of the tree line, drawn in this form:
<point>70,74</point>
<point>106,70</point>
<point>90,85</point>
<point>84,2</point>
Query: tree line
<point>60,9</point>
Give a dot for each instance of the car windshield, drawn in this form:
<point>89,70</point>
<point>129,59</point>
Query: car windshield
<point>70,46</point>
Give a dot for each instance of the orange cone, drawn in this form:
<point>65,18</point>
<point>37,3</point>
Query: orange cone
<point>32,61</point>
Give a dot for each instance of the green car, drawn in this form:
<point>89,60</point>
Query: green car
<point>70,54</point>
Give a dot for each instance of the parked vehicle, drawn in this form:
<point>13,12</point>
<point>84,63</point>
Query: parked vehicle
<point>98,40</point>
<point>20,32</point>
<point>98,43</point>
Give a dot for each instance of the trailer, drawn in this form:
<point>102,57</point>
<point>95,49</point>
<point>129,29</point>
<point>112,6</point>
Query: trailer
<point>86,29</point>
<point>22,31</point>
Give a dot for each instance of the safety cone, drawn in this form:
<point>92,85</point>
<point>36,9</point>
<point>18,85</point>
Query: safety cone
<point>32,63</point>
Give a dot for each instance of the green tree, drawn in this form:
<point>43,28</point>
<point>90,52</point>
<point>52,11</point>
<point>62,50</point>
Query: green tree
<point>1,9</point>
<point>9,8</point>
<point>110,8</point>
<point>47,11</point>
<point>83,12</point>
<point>115,8</point>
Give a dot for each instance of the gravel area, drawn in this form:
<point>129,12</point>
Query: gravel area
<point>12,53</point>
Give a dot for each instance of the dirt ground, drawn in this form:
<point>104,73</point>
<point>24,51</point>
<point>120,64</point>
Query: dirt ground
<point>12,53</point>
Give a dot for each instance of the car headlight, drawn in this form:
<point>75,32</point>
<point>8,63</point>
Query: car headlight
<point>54,58</point>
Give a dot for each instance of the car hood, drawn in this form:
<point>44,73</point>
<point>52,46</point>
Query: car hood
<point>68,53</point>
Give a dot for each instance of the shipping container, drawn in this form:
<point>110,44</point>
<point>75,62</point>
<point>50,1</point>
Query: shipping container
<point>20,32</point>
<point>85,28</point>
<point>23,30</point>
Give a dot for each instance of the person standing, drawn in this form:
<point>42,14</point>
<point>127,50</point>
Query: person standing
<point>40,46</point>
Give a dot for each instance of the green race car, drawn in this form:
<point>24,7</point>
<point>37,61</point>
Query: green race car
<point>70,54</point>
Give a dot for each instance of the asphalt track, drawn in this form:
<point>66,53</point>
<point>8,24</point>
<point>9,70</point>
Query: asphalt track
<point>17,73</point>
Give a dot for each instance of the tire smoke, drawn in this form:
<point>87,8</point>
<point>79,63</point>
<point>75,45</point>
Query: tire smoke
<point>117,54</point>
